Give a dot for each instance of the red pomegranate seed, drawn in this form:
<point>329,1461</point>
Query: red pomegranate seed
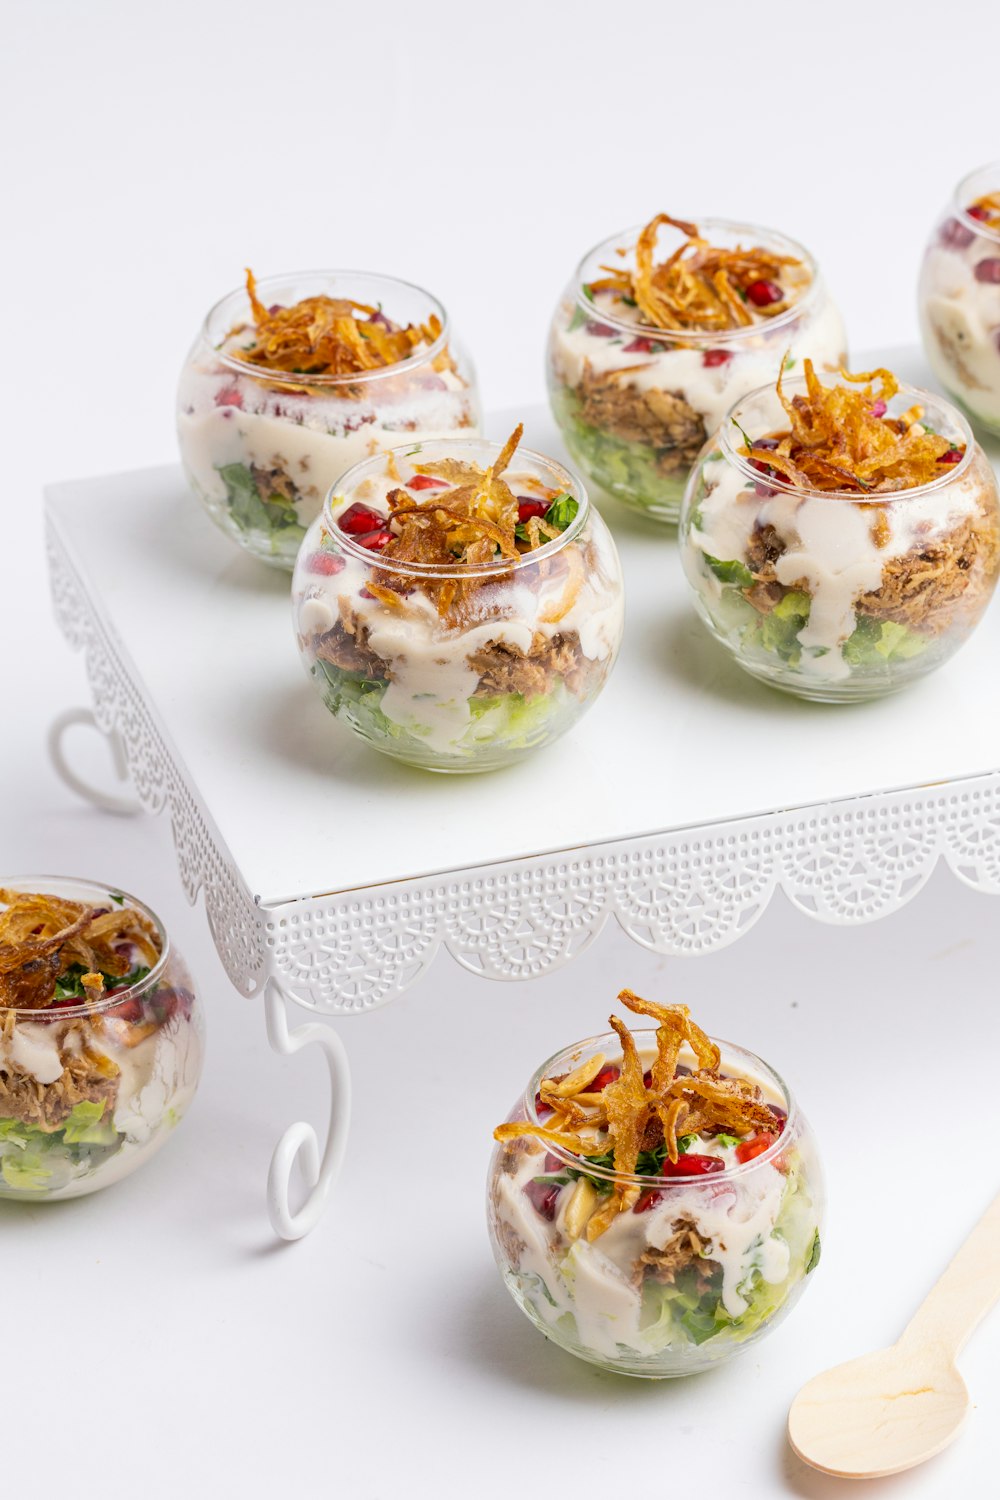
<point>326,563</point>
<point>601,330</point>
<point>639,345</point>
<point>364,593</point>
<point>426,482</point>
<point>231,396</point>
<point>955,235</point>
<point>879,409</point>
<point>552,1163</point>
<point>647,1200</point>
<point>755,1146</point>
<point>692,1165</point>
<point>543,1196</point>
<point>976,212</point>
<point>527,508</point>
<point>764,293</point>
<point>605,1076</point>
<point>374,541</point>
<point>988,270</point>
<point>713,357</point>
<point>953,456</point>
<point>781,1115</point>
<point>129,1010</point>
<point>768,444</point>
<point>358,519</point>
<point>541,1110</point>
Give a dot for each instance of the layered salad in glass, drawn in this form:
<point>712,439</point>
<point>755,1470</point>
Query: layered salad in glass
<point>661,330</point>
<point>100,1038</point>
<point>654,1199</point>
<point>458,604</point>
<point>959,297</point>
<point>294,380</point>
<point>841,535</point>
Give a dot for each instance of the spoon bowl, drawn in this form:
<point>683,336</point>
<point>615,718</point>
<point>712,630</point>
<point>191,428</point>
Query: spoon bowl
<point>879,1414</point>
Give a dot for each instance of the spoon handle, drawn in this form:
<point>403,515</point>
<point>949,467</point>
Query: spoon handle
<point>966,1291</point>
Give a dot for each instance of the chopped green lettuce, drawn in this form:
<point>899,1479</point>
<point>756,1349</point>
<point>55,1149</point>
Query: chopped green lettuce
<point>34,1160</point>
<point>629,470</point>
<point>251,512</point>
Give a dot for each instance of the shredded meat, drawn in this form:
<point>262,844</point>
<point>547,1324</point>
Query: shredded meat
<point>926,590</point>
<point>662,419</point>
<point>346,646</point>
<point>86,1077</point>
<point>684,1248</point>
<point>505,668</point>
<point>764,548</point>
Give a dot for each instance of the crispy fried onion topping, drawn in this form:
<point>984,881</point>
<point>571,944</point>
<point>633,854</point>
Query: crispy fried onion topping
<point>43,936</point>
<point>840,437</point>
<point>699,286</point>
<point>326,336</point>
<point>636,1108</point>
<point>472,518</point>
<point>986,209</point>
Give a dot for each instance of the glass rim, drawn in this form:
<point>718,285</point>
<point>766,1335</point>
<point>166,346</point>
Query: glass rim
<point>637,1179</point>
<point>50,885</point>
<point>959,200</point>
<point>700,336</point>
<point>502,567</point>
<point>361,377</point>
<point>884,497</point>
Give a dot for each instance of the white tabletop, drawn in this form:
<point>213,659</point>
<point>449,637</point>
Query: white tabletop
<point>681,737</point>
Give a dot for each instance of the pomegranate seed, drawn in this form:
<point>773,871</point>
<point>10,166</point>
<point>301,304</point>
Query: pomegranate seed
<point>358,519</point>
<point>768,444</point>
<point>955,235</point>
<point>541,1110</point>
<point>953,456</point>
<point>647,1200</point>
<point>380,317</point>
<point>764,293</point>
<point>543,1196</point>
<point>426,482</point>
<point>552,1163</point>
<point>231,396</point>
<point>755,1146</point>
<point>605,1076</point>
<point>374,541</point>
<point>879,409</point>
<point>713,357</point>
<point>326,563</point>
<point>639,345</point>
<point>527,508</point>
<point>692,1165</point>
<point>129,1010</point>
<point>781,1115</point>
<point>364,593</point>
<point>175,1002</point>
<point>976,212</point>
<point>988,270</point>
<point>601,330</point>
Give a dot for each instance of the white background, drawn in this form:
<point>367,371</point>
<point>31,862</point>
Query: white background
<point>156,1340</point>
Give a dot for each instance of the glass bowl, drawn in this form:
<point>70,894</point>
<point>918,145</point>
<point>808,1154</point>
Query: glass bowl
<point>261,450</point>
<point>635,403</point>
<point>826,595</point>
<point>90,1090</point>
<point>508,668</point>
<point>959,300</point>
<point>698,1270</point>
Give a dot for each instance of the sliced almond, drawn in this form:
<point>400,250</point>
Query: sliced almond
<point>580,1207</point>
<point>574,1082</point>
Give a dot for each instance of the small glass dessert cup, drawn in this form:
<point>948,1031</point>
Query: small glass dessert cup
<point>703,1259</point>
<point>266,425</point>
<point>840,595</point>
<point>96,1068</point>
<point>476,659</point>
<point>959,297</point>
<point>634,400</point>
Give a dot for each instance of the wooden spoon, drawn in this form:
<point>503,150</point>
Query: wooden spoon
<point>892,1409</point>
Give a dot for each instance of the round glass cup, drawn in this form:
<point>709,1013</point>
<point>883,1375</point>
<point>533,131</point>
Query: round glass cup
<point>958,301</point>
<point>90,1092</point>
<point>826,595</point>
<point>635,403</point>
<point>698,1270</point>
<point>473,667</point>
<point>261,450</point>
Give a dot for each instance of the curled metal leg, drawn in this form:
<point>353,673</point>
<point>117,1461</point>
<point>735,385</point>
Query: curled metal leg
<point>107,801</point>
<point>320,1172</point>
